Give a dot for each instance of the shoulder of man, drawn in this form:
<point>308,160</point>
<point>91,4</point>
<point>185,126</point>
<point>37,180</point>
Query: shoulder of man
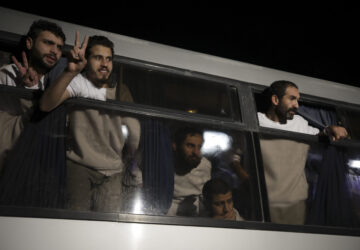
<point>9,75</point>
<point>205,163</point>
<point>77,85</point>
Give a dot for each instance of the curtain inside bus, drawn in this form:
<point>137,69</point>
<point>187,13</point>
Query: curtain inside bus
<point>329,197</point>
<point>34,171</point>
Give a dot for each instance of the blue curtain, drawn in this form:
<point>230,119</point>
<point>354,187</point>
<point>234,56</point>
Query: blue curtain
<point>329,197</point>
<point>318,117</point>
<point>330,203</point>
<point>157,166</point>
<point>34,172</point>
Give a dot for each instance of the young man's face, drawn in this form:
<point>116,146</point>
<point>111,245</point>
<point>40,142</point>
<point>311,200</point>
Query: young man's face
<point>191,149</point>
<point>99,65</point>
<point>223,207</point>
<point>45,50</point>
<point>288,104</point>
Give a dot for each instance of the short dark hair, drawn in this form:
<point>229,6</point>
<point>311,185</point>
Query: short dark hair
<point>277,88</point>
<point>43,25</point>
<point>214,186</point>
<point>99,40</point>
<point>181,134</point>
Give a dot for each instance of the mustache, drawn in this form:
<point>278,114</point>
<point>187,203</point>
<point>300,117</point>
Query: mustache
<point>195,156</point>
<point>52,55</point>
<point>292,109</point>
<point>104,68</point>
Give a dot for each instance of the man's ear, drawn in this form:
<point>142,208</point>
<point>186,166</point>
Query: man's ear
<point>29,43</point>
<point>275,100</point>
<point>174,146</point>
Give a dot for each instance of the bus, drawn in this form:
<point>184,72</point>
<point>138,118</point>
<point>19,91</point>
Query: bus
<point>171,88</point>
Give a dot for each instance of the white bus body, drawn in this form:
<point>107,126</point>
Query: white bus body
<point>47,233</point>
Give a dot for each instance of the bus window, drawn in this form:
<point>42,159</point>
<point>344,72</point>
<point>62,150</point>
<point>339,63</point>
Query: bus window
<point>317,116</point>
<point>193,95</point>
<point>351,120</point>
<point>309,182</point>
<point>15,114</point>
<point>90,158</point>
<point>203,153</point>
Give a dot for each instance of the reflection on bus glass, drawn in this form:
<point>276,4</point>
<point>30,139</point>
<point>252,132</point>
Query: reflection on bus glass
<point>215,141</point>
<point>354,164</point>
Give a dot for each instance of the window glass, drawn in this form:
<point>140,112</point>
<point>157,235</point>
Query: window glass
<point>351,119</point>
<point>4,58</point>
<point>15,115</point>
<point>310,183</point>
<point>174,91</point>
<point>162,164</point>
<point>96,159</point>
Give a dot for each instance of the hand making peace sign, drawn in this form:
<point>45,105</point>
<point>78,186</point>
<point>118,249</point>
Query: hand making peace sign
<point>77,60</point>
<point>29,75</point>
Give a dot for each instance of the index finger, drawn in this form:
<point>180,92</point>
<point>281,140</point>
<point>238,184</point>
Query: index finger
<point>77,39</point>
<point>18,65</point>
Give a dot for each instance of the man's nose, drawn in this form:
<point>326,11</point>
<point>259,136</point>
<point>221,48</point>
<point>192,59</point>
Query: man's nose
<point>104,62</point>
<point>296,104</point>
<point>226,208</point>
<point>197,152</point>
<point>55,50</point>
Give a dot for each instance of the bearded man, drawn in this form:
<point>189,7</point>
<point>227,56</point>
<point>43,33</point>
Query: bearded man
<point>43,46</point>
<point>192,171</point>
<point>284,160</point>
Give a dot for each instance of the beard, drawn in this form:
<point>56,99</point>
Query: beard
<point>284,113</point>
<point>184,164</point>
<point>97,79</point>
<point>38,61</point>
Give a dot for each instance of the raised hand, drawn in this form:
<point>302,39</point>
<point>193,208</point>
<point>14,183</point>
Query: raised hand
<point>29,76</point>
<point>77,60</point>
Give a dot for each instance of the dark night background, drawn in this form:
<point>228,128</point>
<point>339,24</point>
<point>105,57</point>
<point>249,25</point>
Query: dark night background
<point>323,46</point>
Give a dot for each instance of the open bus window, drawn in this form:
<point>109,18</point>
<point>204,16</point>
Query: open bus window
<point>317,116</point>
<point>310,183</point>
<point>163,89</point>
<point>179,92</point>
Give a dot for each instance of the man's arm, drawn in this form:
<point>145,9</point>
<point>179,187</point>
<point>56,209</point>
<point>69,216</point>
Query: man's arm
<point>57,92</point>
